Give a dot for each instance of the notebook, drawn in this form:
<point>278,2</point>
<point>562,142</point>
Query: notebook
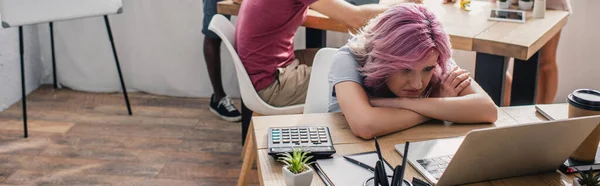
<point>553,111</point>
<point>340,172</point>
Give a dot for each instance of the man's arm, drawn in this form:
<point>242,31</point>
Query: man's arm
<point>342,11</point>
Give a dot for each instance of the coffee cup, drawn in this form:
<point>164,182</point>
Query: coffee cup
<point>585,102</point>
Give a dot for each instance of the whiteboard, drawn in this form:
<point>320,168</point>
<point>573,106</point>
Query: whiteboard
<point>24,12</point>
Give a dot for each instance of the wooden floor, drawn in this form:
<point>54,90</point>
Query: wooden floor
<point>80,138</point>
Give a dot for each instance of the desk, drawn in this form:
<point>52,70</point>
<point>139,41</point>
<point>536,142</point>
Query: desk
<point>471,31</point>
<point>346,143</point>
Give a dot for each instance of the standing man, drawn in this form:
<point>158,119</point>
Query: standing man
<point>220,103</point>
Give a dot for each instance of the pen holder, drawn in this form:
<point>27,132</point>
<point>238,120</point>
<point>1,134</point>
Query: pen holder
<point>371,182</point>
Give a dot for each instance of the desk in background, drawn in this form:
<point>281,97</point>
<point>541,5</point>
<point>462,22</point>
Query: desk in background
<point>471,31</point>
<point>346,143</point>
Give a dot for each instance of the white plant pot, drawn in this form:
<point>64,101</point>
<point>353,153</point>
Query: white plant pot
<point>302,179</point>
<point>576,182</point>
<point>503,5</point>
<point>525,5</point>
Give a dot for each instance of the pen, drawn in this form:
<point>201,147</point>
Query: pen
<point>360,164</point>
<point>404,162</point>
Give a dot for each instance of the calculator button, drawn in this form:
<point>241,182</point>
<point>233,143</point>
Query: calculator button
<point>286,141</point>
<point>295,140</point>
<point>303,137</point>
<point>275,129</point>
<point>323,139</point>
<point>304,140</point>
<point>276,142</point>
<point>321,128</point>
<point>294,137</point>
<point>285,129</point>
<point>276,138</point>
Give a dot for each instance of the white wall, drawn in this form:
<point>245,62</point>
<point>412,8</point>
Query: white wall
<point>10,70</point>
<point>159,44</point>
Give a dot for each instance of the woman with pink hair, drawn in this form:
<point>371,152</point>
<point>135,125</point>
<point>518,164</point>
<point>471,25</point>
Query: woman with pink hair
<point>397,72</point>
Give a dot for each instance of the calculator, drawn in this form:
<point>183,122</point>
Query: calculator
<point>315,139</point>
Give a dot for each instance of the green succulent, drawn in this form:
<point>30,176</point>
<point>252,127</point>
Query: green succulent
<point>297,161</point>
<point>588,178</point>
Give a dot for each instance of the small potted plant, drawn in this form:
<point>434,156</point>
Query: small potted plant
<point>586,178</point>
<point>525,4</point>
<point>297,171</point>
<point>503,4</point>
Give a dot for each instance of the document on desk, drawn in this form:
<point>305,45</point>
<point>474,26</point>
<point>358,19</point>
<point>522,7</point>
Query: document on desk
<point>341,172</point>
<point>553,111</point>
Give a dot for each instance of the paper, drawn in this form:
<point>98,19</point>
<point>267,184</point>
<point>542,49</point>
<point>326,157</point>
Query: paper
<point>342,172</point>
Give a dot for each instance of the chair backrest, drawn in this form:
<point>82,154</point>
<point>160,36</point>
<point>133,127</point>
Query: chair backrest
<point>226,31</point>
<point>318,93</point>
<point>24,12</point>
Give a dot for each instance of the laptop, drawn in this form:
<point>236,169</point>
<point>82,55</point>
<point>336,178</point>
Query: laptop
<point>500,152</point>
<point>362,2</point>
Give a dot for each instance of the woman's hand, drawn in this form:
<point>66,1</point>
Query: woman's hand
<point>454,82</point>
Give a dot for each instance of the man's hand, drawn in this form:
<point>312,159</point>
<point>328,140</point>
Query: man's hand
<point>415,1</point>
<point>239,2</point>
<point>454,82</point>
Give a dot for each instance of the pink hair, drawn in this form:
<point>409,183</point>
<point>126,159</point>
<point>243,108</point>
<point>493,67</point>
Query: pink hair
<point>397,39</point>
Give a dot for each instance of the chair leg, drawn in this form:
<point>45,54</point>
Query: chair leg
<point>23,91</point>
<point>112,43</point>
<point>246,117</point>
<point>53,58</point>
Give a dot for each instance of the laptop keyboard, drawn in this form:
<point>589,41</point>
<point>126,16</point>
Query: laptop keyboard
<point>436,165</point>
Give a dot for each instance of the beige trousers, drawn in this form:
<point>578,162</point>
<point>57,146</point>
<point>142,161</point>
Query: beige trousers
<point>291,82</point>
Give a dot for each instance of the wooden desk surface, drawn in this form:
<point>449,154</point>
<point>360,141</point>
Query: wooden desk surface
<point>346,143</point>
<point>470,31</point>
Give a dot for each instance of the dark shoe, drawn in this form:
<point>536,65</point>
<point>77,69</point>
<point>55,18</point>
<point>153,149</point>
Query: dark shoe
<point>225,109</point>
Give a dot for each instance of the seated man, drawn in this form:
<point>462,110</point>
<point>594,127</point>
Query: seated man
<point>398,73</point>
<point>264,41</point>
